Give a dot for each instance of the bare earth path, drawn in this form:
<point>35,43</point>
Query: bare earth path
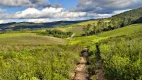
<point>81,71</point>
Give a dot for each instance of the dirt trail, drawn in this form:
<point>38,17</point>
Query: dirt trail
<point>81,71</point>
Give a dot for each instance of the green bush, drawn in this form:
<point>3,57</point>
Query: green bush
<point>39,63</point>
<point>122,60</point>
<point>57,33</point>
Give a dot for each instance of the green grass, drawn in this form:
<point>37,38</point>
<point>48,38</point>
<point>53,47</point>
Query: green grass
<point>122,31</point>
<point>86,41</point>
<point>27,56</point>
<point>78,27</point>
<point>28,39</point>
<point>92,22</point>
<point>120,51</point>
<point>38,62</point>
<point>128,30</point>
<point>12,34</point>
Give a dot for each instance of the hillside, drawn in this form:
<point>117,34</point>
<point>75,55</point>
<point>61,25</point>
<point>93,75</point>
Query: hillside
<point>27,39</point>
<point>109,49</point>
<point>119,49</point>
<point>116,21</point>
<point>100,25</point>
<point>27,25</point>
<point>29,55</point>
<point>125,31</point>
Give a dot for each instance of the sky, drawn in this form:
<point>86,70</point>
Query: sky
<point>41,11</point>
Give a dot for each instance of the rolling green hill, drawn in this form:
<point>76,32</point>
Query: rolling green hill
<point>120,50</point>
<point>28,56</point>
<point>32,26</point>
<point>125,31</point>
<point>100,25</point>
<point>29,39</point>
<point>114,46</point>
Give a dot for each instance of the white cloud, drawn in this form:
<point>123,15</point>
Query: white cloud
<point>38,20</point>
<point>44,20</point>
<point>120,11</point>
<point>10,20</point>
<point>28,13</point>
<point>48,12</point>
<point>2,10</point>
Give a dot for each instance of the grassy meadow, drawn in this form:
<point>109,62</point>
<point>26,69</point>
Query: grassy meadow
<point>26,55</point>
<point>125,31</point>
<point>40,40</point>
<point>120,50</point>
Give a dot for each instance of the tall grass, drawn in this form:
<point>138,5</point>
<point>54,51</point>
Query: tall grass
<point>34,57</point>
<point>121,55</point>
<point>40,63</point>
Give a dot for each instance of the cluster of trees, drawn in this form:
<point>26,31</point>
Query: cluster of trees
<point>126,18</point>
<point>100,26</point>
<point>117,21</point>
<point>57,33</point>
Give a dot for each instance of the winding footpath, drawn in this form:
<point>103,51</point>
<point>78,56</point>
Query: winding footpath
<point>81,71</point>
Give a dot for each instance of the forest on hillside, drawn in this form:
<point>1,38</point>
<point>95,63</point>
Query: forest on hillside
<point>115,22</point>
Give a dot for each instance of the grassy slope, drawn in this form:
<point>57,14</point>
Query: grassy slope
<point>28,39</point>
<point>120,50</point>
<point>128,30</point>
<point>122,31</point>
<point>78,28</point>
<point>19,39</point>
<point>33,57</point>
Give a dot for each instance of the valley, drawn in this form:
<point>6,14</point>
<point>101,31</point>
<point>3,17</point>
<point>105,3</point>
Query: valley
<point>101,49</point>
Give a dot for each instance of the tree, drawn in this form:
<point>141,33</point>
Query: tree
<point>87,29</point>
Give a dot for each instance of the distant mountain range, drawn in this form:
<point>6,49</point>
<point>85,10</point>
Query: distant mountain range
<point>29,25</point>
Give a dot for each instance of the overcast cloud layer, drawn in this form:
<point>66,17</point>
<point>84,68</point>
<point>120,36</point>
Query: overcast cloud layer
<point>86,9</point>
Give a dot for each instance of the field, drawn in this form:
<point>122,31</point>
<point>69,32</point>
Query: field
<point>30,56</point>
<point>29,39</point>
<point>76,40</point>
<point>33,57</point>
<point>128,30</point>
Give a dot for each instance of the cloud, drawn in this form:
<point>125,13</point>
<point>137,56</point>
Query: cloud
<point>44,20</point>
<point>106,6</point>
<point>2,10</point>
<point>48,12</point>
<point>23,3</point>
<point>120,11</point>
<point>10,20</point>
<point>53,5</point>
